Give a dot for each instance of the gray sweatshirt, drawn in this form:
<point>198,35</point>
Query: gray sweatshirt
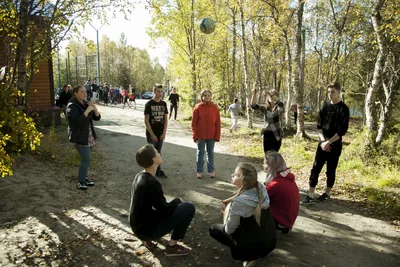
<point>234,108</point>
<point>245,206</point>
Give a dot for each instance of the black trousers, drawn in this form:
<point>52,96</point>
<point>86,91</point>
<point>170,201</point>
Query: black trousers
<point>270,142</point>
<point>157,146</point>
<point>173,107</point>
<point>331,159</point>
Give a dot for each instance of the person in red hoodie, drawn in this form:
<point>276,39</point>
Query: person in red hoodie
<point>282,190</point>
<point>206,130</point>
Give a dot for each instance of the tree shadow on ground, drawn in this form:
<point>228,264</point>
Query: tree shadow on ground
<point>92,227</point>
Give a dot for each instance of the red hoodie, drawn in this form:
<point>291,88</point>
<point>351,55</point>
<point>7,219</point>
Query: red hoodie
<point>206,122</point>
<point>284,198</point>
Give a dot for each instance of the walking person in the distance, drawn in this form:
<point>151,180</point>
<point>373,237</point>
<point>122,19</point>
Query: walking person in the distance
<point>234,109</point>
<point>174,100</point>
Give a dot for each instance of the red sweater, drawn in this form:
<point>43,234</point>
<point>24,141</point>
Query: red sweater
<point>206,122</point>
<point>284,199</point>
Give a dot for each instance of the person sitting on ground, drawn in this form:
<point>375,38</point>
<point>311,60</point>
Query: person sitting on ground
<point>248,229</point>
<point>282,190</point>
<point>150,215</point>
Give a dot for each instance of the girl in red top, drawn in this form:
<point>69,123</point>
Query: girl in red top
<point>206,130</point>
<point>282,190</point>
<point>125,95</point>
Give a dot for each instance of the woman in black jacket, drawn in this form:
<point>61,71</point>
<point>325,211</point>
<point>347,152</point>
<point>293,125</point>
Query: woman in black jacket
<point>80,115</point>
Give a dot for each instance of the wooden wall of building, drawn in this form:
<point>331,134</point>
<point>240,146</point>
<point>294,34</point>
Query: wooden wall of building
<point>41,91</point>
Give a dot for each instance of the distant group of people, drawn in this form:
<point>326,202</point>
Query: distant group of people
<point>256,211</point>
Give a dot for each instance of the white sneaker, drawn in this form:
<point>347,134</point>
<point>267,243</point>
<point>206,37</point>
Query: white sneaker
<point>249,263</point>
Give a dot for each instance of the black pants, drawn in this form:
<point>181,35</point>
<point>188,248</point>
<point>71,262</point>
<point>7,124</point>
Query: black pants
<point>239,250</point>
<point>218,233</point>
<point>178,222</point>
<point>295,117</point>
<point>331,159</point>
<point>270,142</point>
<point>157,146</point>
<point>171,109</point>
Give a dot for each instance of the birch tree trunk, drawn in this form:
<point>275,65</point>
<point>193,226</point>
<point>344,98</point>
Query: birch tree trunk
<point>245,68</point>
<point>235,87</point>
<point>371,111</point>
<point>298,88</point>
<point>192,49</point>
<point>289,82</point>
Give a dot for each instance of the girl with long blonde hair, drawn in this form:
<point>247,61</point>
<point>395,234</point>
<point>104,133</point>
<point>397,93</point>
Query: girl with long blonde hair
<point>248,228</point>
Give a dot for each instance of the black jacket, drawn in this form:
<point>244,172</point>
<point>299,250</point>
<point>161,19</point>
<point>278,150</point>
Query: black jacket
<point>148,205</point>
<point>78,123</point>
<point>252,241</point>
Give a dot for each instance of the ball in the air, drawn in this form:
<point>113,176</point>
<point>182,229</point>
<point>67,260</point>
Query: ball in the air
<point>207,25</point>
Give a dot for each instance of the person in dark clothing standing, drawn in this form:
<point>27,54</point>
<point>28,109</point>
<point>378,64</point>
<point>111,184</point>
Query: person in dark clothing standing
<point>150,215</point>
<point>332,124</point>
<point>156,121</point>
<point>174,100</point>
<point>64,97</point>
<point>80,115</point>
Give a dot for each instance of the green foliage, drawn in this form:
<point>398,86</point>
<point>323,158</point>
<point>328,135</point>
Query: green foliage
<point>18,132</point>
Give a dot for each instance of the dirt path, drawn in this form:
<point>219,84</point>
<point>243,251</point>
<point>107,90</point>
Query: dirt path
<point>46,221</point>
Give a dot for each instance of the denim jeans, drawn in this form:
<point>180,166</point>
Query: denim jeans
<point>201,145</point>
<point>157,146</point>
<point>179,222</point>
<point>86,158</point>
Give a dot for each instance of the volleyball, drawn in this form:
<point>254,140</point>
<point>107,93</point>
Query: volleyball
<point>207,25</point>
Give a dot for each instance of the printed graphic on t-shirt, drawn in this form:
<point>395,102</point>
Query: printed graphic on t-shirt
<point>157,114</point>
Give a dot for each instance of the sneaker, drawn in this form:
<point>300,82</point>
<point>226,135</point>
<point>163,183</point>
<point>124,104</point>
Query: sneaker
<point>82,186</point>
<point>249,263</point>
<point>199,175</point>
<point>212,174</point>
<point>150,244</point>
<point>176,250</point>
<point>161,174</point>
<point>323,197</point>
<point>307,200</point>
<point>89,183</point>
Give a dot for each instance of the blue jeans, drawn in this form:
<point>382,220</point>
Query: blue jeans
<point>179,222</point>
<point>86,158</point>
<point>201,145</point>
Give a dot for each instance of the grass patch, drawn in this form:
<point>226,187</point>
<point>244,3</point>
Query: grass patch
<point>375,187</point>
<point>58,152</point>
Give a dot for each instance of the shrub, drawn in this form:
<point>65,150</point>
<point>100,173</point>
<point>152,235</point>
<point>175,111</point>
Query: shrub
<point>18,132</point>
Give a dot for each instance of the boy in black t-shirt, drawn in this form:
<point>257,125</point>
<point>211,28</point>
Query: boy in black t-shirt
<point>150,215</point>
<point>156,120</point>
<point>174,100</point>
<point>332,124</point>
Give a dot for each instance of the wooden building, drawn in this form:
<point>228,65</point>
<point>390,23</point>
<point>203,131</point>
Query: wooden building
<point>41,100</point>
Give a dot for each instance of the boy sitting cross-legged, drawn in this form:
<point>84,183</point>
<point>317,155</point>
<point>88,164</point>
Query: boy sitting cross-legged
<point>150,215</point>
